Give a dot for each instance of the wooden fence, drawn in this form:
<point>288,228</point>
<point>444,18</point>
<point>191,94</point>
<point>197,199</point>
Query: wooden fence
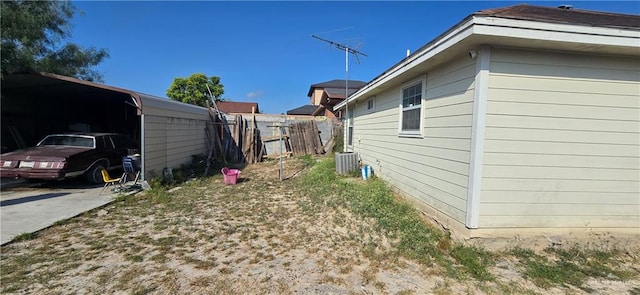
<point>305,138</point>
<point>240,142</point>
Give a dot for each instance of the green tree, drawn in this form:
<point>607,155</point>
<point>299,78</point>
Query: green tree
<point>193,89</point>
<point>32,40</point>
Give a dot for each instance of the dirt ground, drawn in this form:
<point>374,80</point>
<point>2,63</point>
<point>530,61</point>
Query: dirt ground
<point>259,236</point>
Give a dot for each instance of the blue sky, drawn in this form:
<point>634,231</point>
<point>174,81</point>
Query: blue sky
<point>263,51</point>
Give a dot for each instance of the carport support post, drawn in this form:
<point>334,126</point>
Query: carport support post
<point>281,170</point>
<point>142,149</point>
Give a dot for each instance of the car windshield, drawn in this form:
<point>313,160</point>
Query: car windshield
<point>66,140</point>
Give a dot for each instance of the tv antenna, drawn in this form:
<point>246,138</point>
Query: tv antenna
<point>347,50</point>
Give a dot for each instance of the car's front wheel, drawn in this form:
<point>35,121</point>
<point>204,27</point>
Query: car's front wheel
<point>94,174</point>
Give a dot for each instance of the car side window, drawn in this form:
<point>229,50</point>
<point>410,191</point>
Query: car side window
<point>109,142</point>
<point>99,142</point>
<point>122,141</point>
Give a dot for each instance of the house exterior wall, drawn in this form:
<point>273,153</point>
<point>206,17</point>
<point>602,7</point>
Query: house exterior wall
<point>432,169</point>
<point>562,141</point>
<point>316,96</point>
<point>172,134</point>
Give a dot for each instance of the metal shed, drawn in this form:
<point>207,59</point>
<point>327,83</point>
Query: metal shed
<point>168,133</point>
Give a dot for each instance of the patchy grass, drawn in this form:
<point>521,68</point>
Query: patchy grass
<point>316,232</point>
<point>416,240</point>
<point>25,237</point>
<point>413,238</point>
<point>570,267</point>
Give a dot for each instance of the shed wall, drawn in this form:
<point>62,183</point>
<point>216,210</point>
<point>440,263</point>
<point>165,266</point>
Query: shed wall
<point>172,135</point>
<point>432,169</point>
<point>562,141</point>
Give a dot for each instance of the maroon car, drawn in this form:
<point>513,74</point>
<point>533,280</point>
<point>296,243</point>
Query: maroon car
<point>60,156</point>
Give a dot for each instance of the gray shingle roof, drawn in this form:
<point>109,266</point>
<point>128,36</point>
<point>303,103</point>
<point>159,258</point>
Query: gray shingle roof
<point>303,110</point>
<point>566,16</point>
<point>352,84</point>
<point>542,14</point>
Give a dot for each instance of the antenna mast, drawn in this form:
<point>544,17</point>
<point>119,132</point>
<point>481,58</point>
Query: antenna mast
<point>355,53</point>
<point>347,50</point>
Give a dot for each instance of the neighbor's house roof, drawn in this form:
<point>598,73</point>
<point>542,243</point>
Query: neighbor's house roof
<point>519,26</point>
<point>337,84</point>
<point>338,93</point>
<point>238,107</point>
<point>303,110</point>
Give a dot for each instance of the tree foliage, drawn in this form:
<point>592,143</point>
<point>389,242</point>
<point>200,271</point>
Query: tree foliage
<point>193,89</point>
<point>32,40</point>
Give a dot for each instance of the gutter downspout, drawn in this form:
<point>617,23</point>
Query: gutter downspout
<point>480,94</point>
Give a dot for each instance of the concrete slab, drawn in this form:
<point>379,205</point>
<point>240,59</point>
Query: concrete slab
<point>32,209</point>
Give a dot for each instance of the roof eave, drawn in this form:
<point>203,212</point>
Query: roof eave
<point>476,30</point>
<point>425,52</point>
<point>318,110</point>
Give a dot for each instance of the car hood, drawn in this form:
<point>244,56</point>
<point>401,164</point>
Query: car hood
<point>44,153</point>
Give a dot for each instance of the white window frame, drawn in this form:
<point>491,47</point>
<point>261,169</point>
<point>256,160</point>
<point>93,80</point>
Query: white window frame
<point>371,104</point>
<point>412,133</point>
<point>349,125</point>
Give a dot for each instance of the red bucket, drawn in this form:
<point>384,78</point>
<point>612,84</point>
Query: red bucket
<point>230,175</point>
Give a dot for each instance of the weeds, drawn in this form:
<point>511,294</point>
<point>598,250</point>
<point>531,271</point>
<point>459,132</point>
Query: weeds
<point>417,241</point>
<point>25,237</point>
<point>568,266</point>
<point>474,260</point>
<point>397,219</point>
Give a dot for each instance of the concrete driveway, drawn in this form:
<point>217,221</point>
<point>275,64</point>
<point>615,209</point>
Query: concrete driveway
<point>29,209</point>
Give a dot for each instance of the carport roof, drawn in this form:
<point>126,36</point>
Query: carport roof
<point>44,83</point>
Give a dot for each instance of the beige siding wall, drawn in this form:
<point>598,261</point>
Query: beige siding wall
<point>561,141</point>
<point>171,138</point>
<point>316,96</point>
<point>433,169</point>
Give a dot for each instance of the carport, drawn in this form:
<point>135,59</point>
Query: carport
<point>168,133</point>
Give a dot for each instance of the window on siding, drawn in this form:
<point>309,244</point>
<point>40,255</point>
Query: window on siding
<point>411,108</point>
<point>370,104</point>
